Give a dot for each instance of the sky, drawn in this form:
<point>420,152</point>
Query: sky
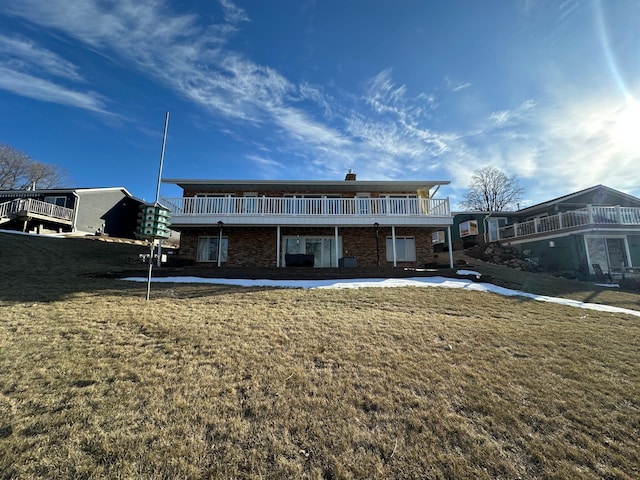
<point>547,91</point>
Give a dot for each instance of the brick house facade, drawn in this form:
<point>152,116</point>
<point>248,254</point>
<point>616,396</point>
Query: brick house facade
<point>345,223</point>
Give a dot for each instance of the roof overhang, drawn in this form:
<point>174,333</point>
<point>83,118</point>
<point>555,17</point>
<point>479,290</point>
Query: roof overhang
<point>230,186</point>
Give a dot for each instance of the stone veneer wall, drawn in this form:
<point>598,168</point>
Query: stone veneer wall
<point>256,246</point>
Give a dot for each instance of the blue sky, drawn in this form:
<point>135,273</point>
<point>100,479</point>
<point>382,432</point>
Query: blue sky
<point>546,90</point>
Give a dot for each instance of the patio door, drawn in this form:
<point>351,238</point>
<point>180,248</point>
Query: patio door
<point>608,252</point>
<point>322,248</point>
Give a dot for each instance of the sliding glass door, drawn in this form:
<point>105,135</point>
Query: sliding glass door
<point>323,249</point>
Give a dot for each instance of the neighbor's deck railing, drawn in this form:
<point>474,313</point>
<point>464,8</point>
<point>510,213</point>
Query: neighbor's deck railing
<point>306,206</point>
<point>585,216</point>
<point>27,206</point>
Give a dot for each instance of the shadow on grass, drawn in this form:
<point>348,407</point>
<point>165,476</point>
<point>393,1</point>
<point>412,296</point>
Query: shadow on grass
<point>45,269</point>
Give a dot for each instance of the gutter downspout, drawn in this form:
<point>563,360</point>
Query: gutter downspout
<point>450,247</point>
<point>486,228</point>
<point>74,225</point>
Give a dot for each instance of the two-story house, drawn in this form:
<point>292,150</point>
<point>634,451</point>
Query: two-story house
<point>265,223</point>
<point>597,227</point>
<point>110,211</point>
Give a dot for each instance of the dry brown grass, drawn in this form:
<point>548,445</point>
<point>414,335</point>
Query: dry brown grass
<point>224,382</point>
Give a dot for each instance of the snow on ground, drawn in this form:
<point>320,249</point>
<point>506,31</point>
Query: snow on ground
<point>442,282</point>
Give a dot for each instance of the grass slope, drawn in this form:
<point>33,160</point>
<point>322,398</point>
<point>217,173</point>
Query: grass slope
<point>223,382</point>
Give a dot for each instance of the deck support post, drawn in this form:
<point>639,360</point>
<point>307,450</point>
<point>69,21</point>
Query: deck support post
<point>336,249</point>
<point>393,242</point>
<point>278,246</point>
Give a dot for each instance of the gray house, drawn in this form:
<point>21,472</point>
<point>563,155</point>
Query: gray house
<point>108,211</point>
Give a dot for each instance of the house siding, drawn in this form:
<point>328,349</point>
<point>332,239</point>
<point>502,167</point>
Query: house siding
<point>567,254</point>
<point>634,248</point>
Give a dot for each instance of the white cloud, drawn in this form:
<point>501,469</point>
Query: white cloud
<point>265,162</point>
<point>232,13</point>
<point>455,86</point>
<point>40,89</point>
<point>29,57</point>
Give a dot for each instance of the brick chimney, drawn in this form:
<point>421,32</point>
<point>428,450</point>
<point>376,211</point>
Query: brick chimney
<point>350,177</point>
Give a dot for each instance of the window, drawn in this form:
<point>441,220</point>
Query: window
<point>468,228</point>
<point>59,201</point>
<point>405,249</point>
<point>437,237</point>
<point>208,249</point>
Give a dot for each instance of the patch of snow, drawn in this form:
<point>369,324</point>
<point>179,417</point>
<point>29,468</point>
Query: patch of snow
<point>469,272</point>
<point>442,282</point>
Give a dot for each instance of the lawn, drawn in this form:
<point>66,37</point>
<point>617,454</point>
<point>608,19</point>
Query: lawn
<point>212,381</point>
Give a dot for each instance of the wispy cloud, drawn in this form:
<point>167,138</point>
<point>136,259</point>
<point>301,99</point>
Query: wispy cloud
<point>233,13</point>
<point>26,56</point>
<point>455,86</point>
<point>35,72</point>
<point>40,89</point>
<point>505,117</point>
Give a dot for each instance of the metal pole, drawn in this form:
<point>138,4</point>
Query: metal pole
<point>150,268</point>
<point>164,142</point>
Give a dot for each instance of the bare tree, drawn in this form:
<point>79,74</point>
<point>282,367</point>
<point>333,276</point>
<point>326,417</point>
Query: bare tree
<point>19,171</point>
<point>490,190</point>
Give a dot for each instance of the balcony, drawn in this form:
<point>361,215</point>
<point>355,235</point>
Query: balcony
<point>30,207</point>
<point>614,217</point>
<point>201,211</point>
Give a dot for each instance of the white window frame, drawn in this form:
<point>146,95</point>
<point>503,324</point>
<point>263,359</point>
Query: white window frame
<point>494,224</point>
<point>467,227</point>
<point>437,237</point>
<point>212,256</point>
<point>405,249</point>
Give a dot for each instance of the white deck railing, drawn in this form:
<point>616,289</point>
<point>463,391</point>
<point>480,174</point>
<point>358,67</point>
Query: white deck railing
<point>194,206</point>
<point>30,206</point>
<point>586,216</point>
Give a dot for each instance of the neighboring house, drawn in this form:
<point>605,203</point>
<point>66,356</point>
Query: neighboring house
<point>106,211</point>
<point>471,228</point>
<point>244,223</point>
<point>572,234</point>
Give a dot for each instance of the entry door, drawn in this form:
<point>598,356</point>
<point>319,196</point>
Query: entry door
<point>493,225</point>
